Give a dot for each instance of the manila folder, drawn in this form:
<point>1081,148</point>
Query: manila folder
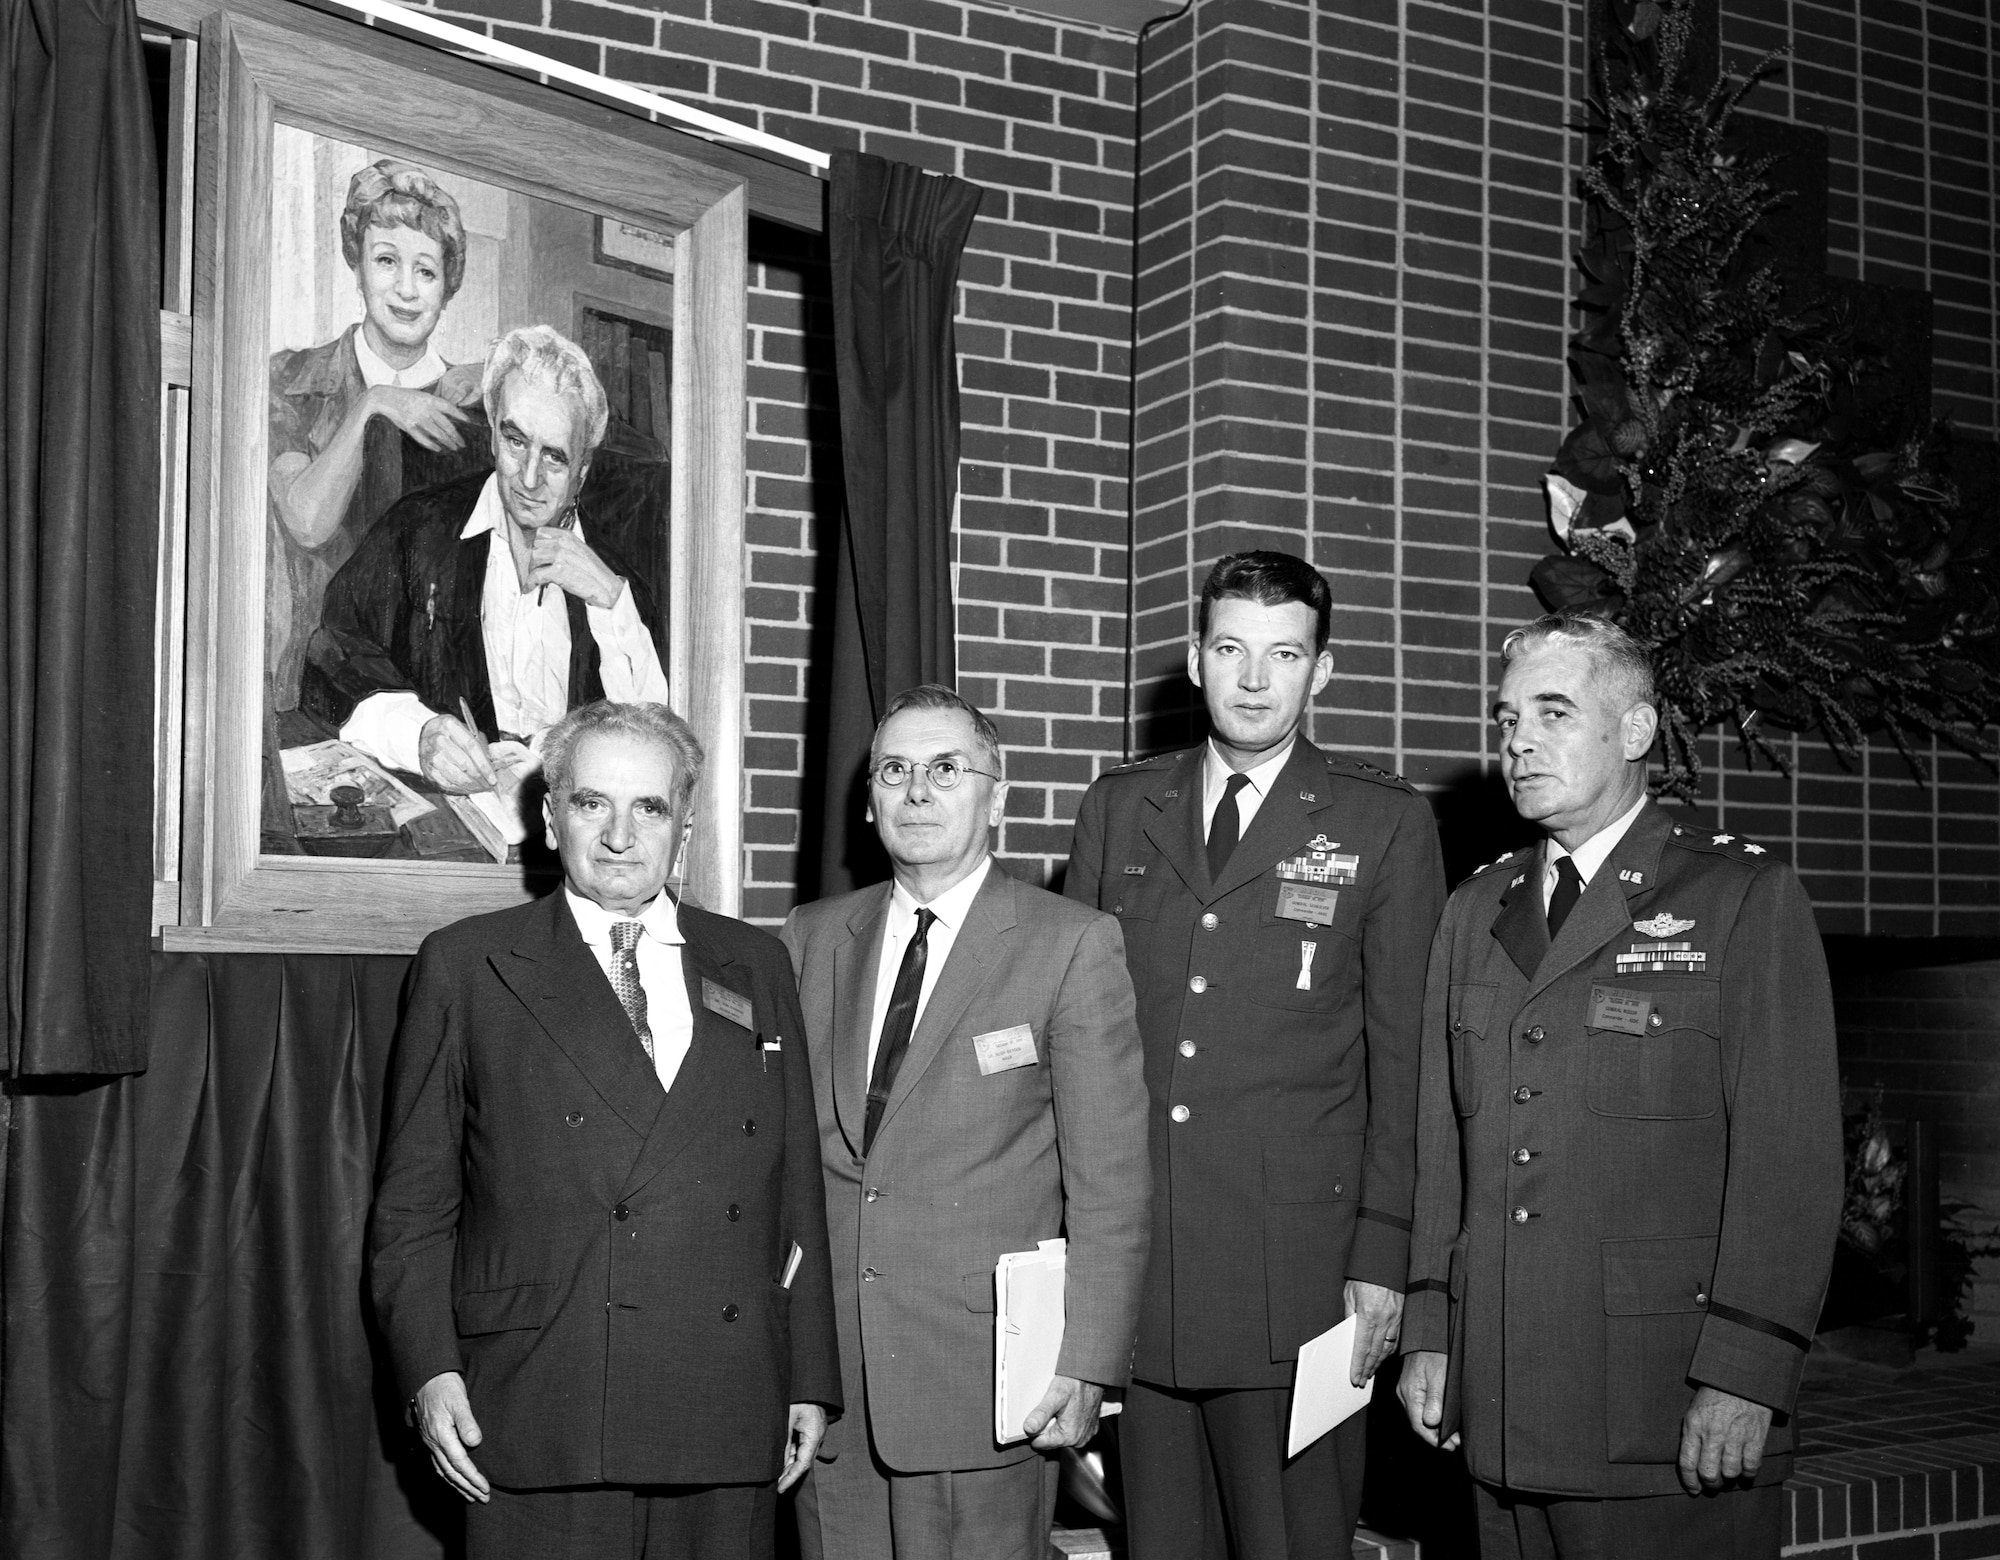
<point>1027,1333</point>
<point>1321,1394</point>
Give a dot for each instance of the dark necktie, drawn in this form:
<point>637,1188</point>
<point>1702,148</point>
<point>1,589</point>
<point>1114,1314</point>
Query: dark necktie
<point>625,979</point>
<point>1225,827</point>
<point>897,1025</point>
<point>1563,897</point>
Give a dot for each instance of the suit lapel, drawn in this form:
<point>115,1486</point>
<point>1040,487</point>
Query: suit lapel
<point>856,964</point>
<point>468,644</point>
<point>1175,822</point>
<point>704,1068</point>
<point>1283,821</point>
<point>975,950</point>
<point>1604,911</point>
<point>1522,927</point>
<point>553,973</point>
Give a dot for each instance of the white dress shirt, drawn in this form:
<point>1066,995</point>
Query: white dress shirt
<point>660,977</point>
<point>1215,773</point>
<point>420,375</point>
<point>1588,856</point>
<point>527,654</point>
<point>950,908</point>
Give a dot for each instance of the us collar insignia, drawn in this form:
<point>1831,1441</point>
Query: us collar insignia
<point>1663,925</point>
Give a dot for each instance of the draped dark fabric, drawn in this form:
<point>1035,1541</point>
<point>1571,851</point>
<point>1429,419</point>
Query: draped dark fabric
<point>894,236</point>
<point>188,1371</point>
<point>79,449</point>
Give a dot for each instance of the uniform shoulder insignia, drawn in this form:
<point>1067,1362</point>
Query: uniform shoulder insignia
<point>1138,764</point>
<point>1360,769</point>
<point>1511,856</point>
<point>1719,842</point>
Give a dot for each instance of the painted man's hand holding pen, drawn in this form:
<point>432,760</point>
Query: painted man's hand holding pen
<point>454,756</point>
<point>562,558</point>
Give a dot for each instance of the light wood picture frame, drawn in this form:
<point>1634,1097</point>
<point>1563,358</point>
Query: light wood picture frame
<point>263,64</point>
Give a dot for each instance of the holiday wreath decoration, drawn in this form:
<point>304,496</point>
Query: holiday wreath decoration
<point>1739,494</point>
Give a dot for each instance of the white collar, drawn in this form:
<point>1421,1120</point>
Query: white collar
<point>950,907</point>
<point>420,375</point>
<point>1596,850</point>
<point>487,513</point>
<point>1260,777</point>
<point>661,919</point>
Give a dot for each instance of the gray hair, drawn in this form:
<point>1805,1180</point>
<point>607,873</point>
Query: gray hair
<point>935,696</point>
<point>1617,656</point>
<point>542,354</point>
<point>653,723</point>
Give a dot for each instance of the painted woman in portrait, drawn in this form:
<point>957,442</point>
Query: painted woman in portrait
<point>340,411</point>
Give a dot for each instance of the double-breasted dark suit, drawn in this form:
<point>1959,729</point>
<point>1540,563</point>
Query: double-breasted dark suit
<point>602,1260</point>
<point>1629,1157</point>
<point>1283,1109</point>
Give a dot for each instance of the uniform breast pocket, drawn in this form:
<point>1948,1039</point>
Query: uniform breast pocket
<point>1302,965</point>
<point>1469,1010</point>
<point>1672,1069</point>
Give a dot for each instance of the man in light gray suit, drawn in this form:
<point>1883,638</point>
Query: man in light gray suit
<point>976,1066</point>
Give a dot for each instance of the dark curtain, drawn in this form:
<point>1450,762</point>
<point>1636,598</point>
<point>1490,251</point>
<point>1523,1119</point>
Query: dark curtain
<point>894,236</point>
<point>79,449</point>
<point>188,1371</point>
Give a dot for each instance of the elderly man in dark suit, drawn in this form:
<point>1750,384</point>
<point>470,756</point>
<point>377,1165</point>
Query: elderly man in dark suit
<point>1277,902</point>
<point>1629,1158</point>
<point>599,1244</point>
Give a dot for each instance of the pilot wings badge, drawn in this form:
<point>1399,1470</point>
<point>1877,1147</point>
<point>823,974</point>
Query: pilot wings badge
<point>1663,926</point>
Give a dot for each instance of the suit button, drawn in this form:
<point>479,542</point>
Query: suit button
<point>1523,1094</point>
<point>1198,985</point>
<point>1537,1035</point>
<point>1520,1215</point>
<point>574,1118</point>
<point>873,1194</point>
<point>1117,909</point>
<point>1522,1156</point>
<point>869,1275</point>
<point>1701,1297</point>
<point>732,1213</point>
<point>1179,1113</point>
<point>730,1313</point>
<point>1187,1048</point>
<point>749,1129</point>
<point>1654,1021</point>
<point>1209,922</point>
<point>621,1213</point>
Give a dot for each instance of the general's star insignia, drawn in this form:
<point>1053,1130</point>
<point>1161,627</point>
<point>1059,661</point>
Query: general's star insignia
<point>1663,925</point>
<point>1753,850</point>
<point>1722,839</point>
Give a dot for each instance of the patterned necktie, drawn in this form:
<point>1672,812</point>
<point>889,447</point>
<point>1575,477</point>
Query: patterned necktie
<point>898,1024</point>
<point>1225,828</point>
<point>1563,897</point>
<point>625,979</point>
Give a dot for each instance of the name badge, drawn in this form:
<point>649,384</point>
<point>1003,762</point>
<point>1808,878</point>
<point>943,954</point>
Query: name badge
<point>1624,1011</point>
<point>1307,902</point>
<point>1000,1050</point>
<point>724,1003</point>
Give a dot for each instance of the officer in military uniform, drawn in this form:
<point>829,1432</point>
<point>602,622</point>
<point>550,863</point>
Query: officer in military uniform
<point>1629,1169</point>
<point>1277,903</point>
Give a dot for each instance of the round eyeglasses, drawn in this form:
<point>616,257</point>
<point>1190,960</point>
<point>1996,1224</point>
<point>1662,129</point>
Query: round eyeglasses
<point>944,773</point>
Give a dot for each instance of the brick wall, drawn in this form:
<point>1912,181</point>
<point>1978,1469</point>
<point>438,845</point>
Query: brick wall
<point>1925,1029</point>
<point>1298,269</point>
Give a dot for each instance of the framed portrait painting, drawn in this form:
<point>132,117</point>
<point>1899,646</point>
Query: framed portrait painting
<point>454,466</point>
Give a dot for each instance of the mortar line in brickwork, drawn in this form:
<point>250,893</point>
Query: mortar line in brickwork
<point>1398,591</point>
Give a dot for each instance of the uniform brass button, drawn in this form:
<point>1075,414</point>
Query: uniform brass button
<point>750,1129</point>
<point>869,1275</point>
<point>1187,1048</point>
<point>873,1194</point>
<point>1336,1188</point>
<point>1198,985</point>
<point>1701,1297</point>
<point>1117,909</point>
<point>621,1213</point>
<point>1209,922</point>
<point>1520,1215</point>
<point>574,1118</point>
<point>1654,1021</point>
<point>1537,1035</point>
<point>1523,1094</point>
<point>1522,1156</point>
<point>1179,1113</point>
<point>730,1313</point>
<point>732,1213</point>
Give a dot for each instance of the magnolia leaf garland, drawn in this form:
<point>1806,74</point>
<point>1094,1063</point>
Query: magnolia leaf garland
<point>1737,495</point>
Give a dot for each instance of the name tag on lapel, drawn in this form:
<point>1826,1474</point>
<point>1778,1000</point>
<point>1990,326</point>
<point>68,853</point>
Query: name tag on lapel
<point>724,1003</point>
<point>1624,1011</point>
<point>1000,1050</point>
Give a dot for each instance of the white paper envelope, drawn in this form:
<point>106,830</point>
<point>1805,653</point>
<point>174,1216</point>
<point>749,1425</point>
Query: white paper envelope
<point>1321,1395</point>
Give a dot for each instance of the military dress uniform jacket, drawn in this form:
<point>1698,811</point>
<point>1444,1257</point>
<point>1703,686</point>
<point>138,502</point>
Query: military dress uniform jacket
<point>1281,1054</point>
<point>602,1260</point>
<point>1645,1120</point>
